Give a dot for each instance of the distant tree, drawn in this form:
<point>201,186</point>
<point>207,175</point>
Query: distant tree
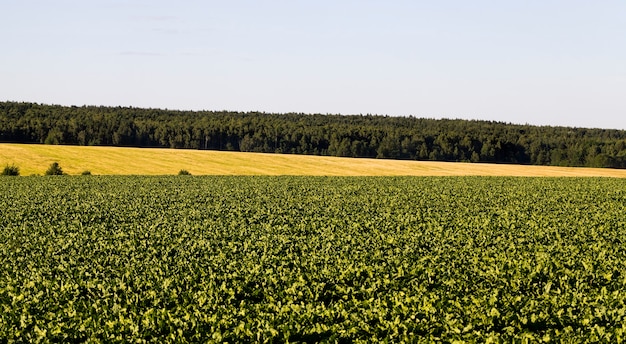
<point>11,170</point>
<point>602,160</point>
<point>86,173</point>
<point>54,170</point>
<point>54,137</point>
<point>389,147</point>
<point>184,173</point>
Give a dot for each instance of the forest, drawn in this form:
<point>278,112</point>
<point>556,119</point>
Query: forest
<point>359,136</point>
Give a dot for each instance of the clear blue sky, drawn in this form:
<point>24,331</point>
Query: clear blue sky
<point>547,62</point>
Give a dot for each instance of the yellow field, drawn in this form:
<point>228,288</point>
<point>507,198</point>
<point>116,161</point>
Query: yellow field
<point>35,159</point>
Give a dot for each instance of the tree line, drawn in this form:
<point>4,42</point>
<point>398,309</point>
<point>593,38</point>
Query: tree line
<point>370,136</point>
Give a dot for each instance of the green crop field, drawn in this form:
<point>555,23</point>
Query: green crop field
<point>312,259</point>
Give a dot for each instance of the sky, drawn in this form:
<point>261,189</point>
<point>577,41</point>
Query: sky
<point>541,62</point>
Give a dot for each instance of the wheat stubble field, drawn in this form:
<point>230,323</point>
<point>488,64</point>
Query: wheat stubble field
<point>35,159</point>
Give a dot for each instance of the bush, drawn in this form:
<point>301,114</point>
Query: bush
<point>54,170</point>
<point>11,170</point>
<point>184,173</point>
<point>86,173</point>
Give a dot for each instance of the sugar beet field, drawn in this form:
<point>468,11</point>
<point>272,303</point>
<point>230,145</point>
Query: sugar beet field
<point>312,259</point>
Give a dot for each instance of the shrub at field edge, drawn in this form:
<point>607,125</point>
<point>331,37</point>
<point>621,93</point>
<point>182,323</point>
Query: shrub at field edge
<point>54,170</point>
<point>11,170</point>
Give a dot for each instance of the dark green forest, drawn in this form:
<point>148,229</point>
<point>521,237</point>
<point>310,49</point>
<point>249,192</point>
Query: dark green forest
<point>368,136</point>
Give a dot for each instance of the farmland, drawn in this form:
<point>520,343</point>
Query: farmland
<point>35,159</point>
<point>331,259</point>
